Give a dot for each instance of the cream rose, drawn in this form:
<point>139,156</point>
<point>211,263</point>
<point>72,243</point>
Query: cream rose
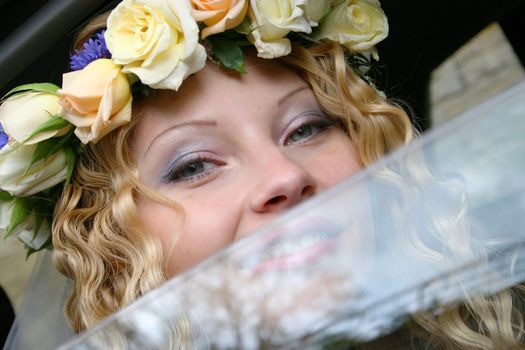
<point>157,40</point>
<point>219,15</point>
<point>315,10</point>
<point>22,113</point>
<point>96,99</point>
<point>21,181</point>
<point>271,21</point>
<point>356,24</point>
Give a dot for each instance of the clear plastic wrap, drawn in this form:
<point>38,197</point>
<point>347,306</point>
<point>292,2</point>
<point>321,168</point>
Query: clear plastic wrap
<point>434,223</point>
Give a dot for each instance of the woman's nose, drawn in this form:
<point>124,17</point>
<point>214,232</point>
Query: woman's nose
<point>282,184</point>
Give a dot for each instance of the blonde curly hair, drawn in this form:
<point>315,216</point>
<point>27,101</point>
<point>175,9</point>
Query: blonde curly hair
<point>101,244</point>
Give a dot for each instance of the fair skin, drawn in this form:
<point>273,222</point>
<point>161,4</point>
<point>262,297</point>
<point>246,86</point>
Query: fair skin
<point>234,152</point>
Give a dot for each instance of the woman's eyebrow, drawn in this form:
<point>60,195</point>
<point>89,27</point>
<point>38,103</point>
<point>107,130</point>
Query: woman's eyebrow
<point>196,122</point>
<point>290,95</point>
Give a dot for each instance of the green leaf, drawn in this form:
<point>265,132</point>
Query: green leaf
<point>71,160</point>
<point>39,219</point>
<point>54,123</point>
<point>140,89</point>
<point>5,196</point>
<point>132,78</point>
<point>21,211</point>
<point>228,53</point>
<point>50,146</point>
<point>244,27</point>
<point>40,87</point>
<point>43,150</point>
<point>47,245</point>
<point>29,251</point>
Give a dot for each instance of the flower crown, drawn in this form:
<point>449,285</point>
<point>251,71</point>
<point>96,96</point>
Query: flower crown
<point>155,44</point>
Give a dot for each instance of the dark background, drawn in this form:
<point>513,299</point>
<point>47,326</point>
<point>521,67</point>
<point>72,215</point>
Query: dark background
<point>36,36</point>
<point>424,33</point>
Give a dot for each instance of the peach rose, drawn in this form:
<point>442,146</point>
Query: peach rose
<point>96,99</point>
<point>219,15</point>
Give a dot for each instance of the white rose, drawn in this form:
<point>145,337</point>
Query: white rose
<point>24,112</point>
<point>25,230</point>
<point>271,21</point>
<point>16,179</point>
<point>356,24</point>
<point>158,40</point>
<point>315,10</point>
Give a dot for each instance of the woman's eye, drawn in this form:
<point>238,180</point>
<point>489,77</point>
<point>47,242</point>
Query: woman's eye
<point>190,170</point>
<point>303,132</point>
<point>308,129</point>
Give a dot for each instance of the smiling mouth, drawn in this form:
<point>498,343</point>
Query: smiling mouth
<point>295,247</point>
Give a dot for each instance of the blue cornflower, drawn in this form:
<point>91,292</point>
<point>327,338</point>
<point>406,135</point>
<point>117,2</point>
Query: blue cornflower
<point>93,49</point>
<point>3,137</point>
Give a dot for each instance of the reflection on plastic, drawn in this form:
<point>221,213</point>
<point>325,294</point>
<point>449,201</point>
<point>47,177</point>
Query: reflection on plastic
<point>434,222</point>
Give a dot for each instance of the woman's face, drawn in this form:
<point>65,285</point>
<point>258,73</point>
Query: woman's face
<point>234,152</point>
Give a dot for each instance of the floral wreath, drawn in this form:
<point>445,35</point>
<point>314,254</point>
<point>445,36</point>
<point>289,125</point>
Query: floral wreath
<point>152,44</point>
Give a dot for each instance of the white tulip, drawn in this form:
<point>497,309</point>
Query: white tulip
<point>18,180</point>
<point>24,112</point>
<point>5,215</point>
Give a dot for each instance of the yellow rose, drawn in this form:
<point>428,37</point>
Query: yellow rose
<point>356,24</point>
<point>23,113</point>
<point>219,15</point>
<point>157,40</point>
<point>96,99</point>
<point>271,21</point>
<point>21,181</point>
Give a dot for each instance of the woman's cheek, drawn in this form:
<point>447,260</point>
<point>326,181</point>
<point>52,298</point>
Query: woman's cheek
<point>331,162</point>
<point>343,164</point>
<point>200,228</point>
<point>161,220</point>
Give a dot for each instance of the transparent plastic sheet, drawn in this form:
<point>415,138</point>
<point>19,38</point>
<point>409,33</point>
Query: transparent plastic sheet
<point>40,322</point>
<point>434,223</point>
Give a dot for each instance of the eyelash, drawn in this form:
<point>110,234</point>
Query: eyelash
<point>316,120</point>
<point>176,170</point>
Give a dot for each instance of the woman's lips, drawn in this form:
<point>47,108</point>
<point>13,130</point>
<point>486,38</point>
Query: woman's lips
<point>297,258</point>
<point>294,246</point>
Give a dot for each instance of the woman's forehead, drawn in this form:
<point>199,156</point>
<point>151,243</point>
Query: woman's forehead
<point>213,92</point>
<point>212,88</point>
